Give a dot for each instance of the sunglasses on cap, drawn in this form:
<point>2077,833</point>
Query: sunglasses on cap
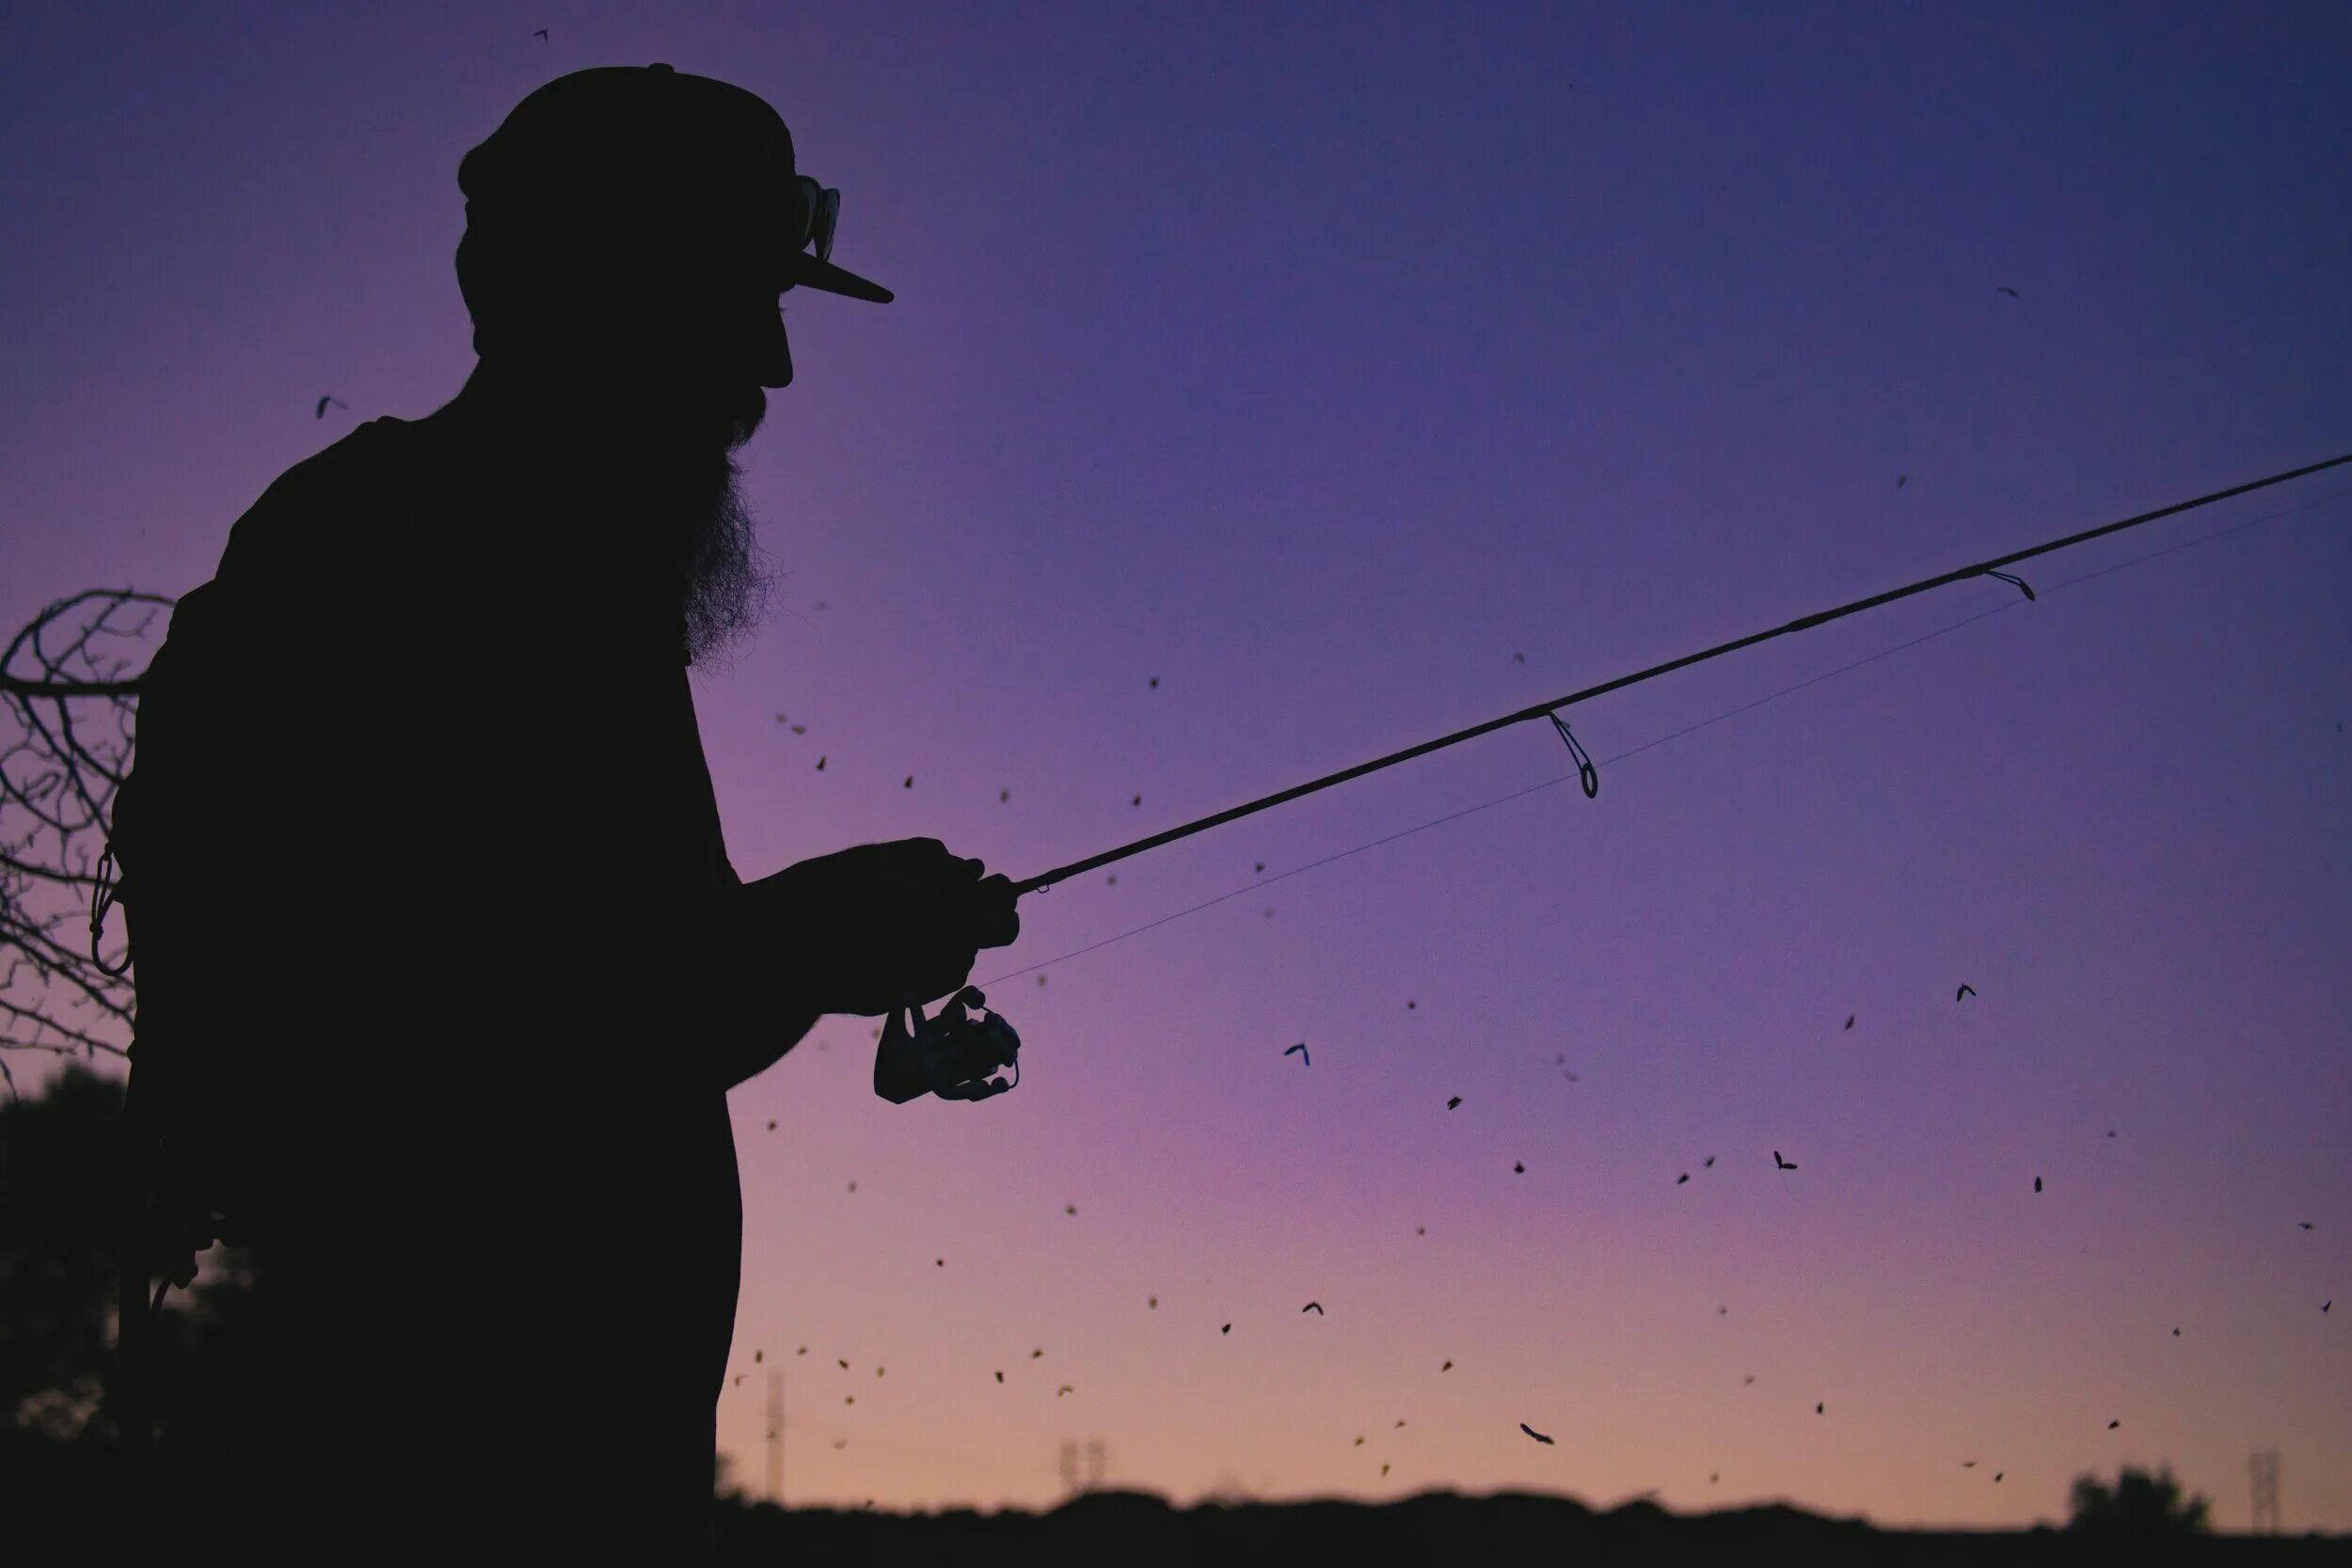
<point>816,216</point>
<point>819,216</point>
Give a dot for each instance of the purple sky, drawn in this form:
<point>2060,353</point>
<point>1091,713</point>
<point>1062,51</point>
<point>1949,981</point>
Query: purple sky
<point>1316,367</point>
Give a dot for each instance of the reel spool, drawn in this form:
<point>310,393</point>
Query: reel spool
<point>950,1055</point>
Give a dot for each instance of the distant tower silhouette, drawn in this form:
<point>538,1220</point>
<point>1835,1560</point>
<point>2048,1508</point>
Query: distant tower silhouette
<point>776,1439</point>
<point>1075,1481</point>
<point>2264,1465</point>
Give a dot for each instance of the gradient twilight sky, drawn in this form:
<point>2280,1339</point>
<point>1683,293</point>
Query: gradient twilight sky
<point>1316,360</point>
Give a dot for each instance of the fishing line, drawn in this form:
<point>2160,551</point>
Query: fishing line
<point>1547,710</point>
<point>1583,774</point>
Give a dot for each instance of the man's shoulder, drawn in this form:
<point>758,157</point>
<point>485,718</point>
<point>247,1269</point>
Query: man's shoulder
<point>321,505</point>
<point>352,458</point>
<point>309,553</point>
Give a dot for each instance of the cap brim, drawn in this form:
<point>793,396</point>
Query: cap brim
<point>810,273</point>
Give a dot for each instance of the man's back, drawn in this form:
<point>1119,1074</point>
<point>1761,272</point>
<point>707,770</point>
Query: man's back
<point>419,794</point>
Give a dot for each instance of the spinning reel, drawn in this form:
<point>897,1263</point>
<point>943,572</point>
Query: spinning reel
<point>950,1055</point>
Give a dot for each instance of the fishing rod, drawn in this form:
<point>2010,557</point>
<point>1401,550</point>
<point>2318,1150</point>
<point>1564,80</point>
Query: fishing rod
<point>952,1055</point>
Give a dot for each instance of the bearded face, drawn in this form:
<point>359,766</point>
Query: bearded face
<point>636,379</point>
<point>632,426</point>
<point>668,478</point>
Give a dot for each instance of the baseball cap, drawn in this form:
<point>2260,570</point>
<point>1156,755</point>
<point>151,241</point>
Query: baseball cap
<point>651,140</point>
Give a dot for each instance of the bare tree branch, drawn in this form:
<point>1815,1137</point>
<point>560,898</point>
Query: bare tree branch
<point>68,724</point>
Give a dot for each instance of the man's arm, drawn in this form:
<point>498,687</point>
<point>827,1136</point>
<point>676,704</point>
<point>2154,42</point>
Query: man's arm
<point>758,1010</point>
<point>754,1049</point>
<point>846,932</point>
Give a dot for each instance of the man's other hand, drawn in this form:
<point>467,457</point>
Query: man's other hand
<point>872,924</point>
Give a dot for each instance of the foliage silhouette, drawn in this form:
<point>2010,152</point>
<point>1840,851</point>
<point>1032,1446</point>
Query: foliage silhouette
<point>2138,1503</point>
<point>60,1160</point>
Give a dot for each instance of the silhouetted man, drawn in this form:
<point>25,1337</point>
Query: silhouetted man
<point>444,973</point>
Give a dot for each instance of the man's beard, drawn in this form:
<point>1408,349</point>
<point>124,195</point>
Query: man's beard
<point>713,545</point>
<point>722,589</point>
<point>656,520</point>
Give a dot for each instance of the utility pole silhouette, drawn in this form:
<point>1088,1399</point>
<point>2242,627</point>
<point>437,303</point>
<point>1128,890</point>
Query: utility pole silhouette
<point>776,1439</point>
<point>2265,1464</point>
<point>1074,1479</point>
